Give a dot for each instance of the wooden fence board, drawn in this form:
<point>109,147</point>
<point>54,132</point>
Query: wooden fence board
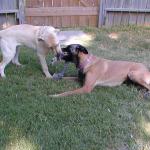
<point>141,16</point>
<point>57,19</point>
<point>93,19</point>
<point>147,16</point>
<point>109,15</point>
<point>126,15</point>
<point>118,16</point>
<point>83,19</point>
<point>21,14</point>
<point>101,18</point>
<point>8,13</point>
<point>2,20</point>
<point>66,18</point>
<point>74,20</point>
<point>49,3</point>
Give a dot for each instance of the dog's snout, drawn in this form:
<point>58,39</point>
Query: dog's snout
<point>59,56</point>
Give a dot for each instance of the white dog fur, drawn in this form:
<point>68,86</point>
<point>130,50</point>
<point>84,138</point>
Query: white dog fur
<point>41,38</point>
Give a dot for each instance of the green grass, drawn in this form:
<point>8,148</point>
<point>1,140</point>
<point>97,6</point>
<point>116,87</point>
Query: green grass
<point>107,119</point>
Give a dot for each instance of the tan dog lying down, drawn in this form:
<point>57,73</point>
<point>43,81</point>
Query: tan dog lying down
<point>41,38</point>
<point>102,72</point>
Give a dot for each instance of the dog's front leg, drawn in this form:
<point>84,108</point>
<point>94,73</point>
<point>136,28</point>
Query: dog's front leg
<point>44,65</point>
<point>87,88</point>
<point>71,78</point>
<point>82,90</point>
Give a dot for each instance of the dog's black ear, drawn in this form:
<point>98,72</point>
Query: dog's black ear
<point>82,49</point>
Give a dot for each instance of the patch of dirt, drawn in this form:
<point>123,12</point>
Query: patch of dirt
<point>74,37</point>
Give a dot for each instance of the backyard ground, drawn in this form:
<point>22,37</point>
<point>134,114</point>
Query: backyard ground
<point>107,119</point>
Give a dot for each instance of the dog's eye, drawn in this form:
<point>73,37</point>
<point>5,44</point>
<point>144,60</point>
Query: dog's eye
<point>65,53</point>
<point>77,47</point>
<point>72,50</point>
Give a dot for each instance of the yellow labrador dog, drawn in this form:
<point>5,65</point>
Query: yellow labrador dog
<point>41,38</point>
<point>102,72</point>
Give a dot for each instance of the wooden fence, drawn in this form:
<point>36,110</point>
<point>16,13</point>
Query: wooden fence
<point>62,13</point>
<point>75,13</point>
<point>124,12</point>
<point>11,12</point>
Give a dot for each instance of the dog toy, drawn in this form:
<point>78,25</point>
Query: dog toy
<point>60,75</point>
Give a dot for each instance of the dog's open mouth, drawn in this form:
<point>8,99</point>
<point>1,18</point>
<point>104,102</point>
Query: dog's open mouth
<point>61,56</point>
<point>58,57</point>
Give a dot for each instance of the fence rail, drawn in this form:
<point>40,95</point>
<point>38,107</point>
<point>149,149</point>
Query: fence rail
<point>127,10</point>
<point>62,11</point>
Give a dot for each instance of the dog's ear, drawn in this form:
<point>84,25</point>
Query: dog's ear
<point>82,49</point>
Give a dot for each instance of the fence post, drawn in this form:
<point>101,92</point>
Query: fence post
<point>21,13</point>
<point>101,13</point>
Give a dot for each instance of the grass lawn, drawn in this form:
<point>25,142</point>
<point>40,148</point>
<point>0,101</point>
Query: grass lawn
<point>107,119</point>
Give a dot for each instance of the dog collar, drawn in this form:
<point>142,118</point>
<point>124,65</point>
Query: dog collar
<point>85,63</point>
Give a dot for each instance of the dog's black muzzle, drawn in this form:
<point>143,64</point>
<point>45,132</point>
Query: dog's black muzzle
<point>60,56</point>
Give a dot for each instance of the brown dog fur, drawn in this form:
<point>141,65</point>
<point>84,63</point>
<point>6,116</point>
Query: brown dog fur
<point>104,72</point>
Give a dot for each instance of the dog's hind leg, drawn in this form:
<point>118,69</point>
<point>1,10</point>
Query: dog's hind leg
<point>140,77</point>
<point>8,54</point>
<point>15,60</point>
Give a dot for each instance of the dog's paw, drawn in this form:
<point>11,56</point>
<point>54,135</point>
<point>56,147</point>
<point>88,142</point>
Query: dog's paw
<point>54,96</point>
<point>2,76</point>
<point>48,76</point>
<point>147,95</point>
<point>57,76</point>
<point>20,66</point>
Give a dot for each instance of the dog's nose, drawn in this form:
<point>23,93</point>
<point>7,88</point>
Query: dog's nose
<point>59,56</point>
